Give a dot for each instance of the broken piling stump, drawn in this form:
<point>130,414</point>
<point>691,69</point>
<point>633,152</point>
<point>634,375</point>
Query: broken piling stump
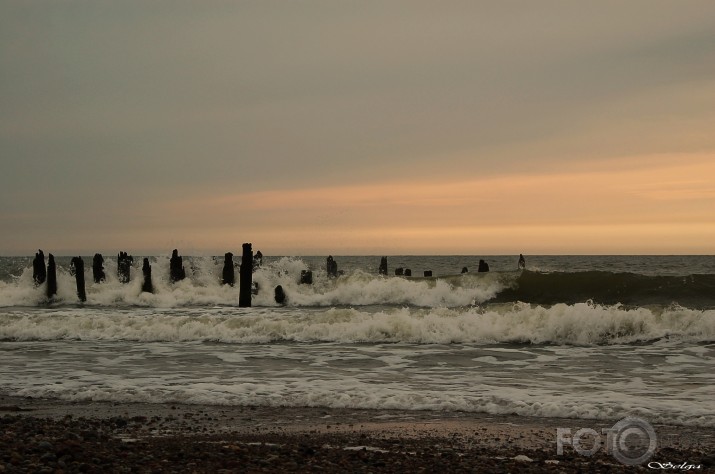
<point>39,272</point>
<point>383,266</point>
<point>98,268</point>
<point>51,276</point>
<point>77,268</point>
<point>229,275</point>
<point>124,264</point>
<point>306,277</point>
<point>176,267</point>
<point>246,275</point>
<point>279,295</point>
<point>331,267</point>
<point>147,286</point>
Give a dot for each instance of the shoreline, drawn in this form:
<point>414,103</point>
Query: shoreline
<point>122,437</point>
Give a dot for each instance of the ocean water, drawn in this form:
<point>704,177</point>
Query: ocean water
<point>591,337</point>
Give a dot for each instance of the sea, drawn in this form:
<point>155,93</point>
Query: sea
<point>587,337</point>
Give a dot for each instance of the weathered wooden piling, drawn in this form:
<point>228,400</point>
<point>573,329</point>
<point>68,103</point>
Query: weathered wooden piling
<point>399,271</point>
<point>124,264</point>
<point>147,286</point>
<point>408,272</point>
<point>279,295</point>
<point>98,268</point>
<point>77,268</point>
<point>483,266</point>
<point>246,275</point>
<point>229,275</point>
<point>306,277</point>
<point>51,276</point>
<point>176,267</point>
<point>257,261</point>
<point>465,270</point>
<point>383,266</point>
<point>39,272</point>
<point>428,273</point>
<point>331,267</point>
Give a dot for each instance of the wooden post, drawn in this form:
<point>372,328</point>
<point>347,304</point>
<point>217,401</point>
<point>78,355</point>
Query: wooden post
<point>51,277</point>
<point>77,267</point>
<point>124,263</point>
<point>146,270</point>
<point>331,266</point>
<point>229,277</point>
<point>306,277</point>
<point>246,275</point>
<point>383,266</point>
<point>176,267</point>
<point>279,295</point>
<point>98,268</point>
<point>39,272</point>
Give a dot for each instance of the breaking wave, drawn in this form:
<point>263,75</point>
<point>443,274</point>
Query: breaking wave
<point>577,324</point>
<point>360,288</point>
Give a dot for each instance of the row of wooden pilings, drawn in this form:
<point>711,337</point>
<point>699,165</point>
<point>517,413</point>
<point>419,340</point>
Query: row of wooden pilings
<point>400,271</point>
<point>249,263</point>
<point>40,273</point>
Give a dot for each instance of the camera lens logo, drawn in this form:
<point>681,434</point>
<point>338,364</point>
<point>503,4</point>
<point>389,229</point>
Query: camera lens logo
<point>632,441</point>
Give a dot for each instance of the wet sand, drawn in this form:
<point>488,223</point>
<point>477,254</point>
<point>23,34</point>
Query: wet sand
<point>57,436</point>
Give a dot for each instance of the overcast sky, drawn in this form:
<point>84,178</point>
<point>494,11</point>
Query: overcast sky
<point>370,127</point>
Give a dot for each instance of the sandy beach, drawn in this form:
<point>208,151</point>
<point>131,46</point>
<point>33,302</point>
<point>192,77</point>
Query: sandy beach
<point>56,436</point>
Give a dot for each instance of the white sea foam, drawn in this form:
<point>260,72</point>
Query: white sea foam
<point>579,324</point>
<point>527,400</point>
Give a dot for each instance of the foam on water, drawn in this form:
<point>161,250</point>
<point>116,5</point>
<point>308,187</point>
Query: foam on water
<point>579,324</point>
<point>554,381</point>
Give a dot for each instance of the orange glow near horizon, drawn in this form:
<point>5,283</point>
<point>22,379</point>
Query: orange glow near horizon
<point>662,205</point>
<point>659,205</point>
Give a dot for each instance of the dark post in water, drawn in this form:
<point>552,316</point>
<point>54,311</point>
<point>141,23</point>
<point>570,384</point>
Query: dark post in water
<point>279,295</point>
<point>51,276</point>
<point>229,277</point>
<point>77,269</point>
<point>246,274</point>
<point>124,263</point>
<point>39,272</point>
<point>306,277</point>
<point>331,266</point>
<point>176,267</point>
<point>257,261</point>
<point>147,287</point>
<point>383,266</point>
<point>98,268</point>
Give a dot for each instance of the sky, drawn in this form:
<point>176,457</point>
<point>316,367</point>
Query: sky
<point>357,127</point>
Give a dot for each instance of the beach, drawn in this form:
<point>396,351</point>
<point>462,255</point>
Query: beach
<point>55,436</point>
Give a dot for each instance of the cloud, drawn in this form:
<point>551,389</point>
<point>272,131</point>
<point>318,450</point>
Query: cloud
<point>362,117</point>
